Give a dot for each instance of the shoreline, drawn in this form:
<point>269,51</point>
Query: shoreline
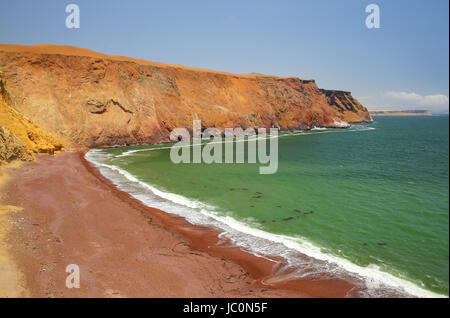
<point>45,236</point>
<point>358,277</point>
<point>207,239</point>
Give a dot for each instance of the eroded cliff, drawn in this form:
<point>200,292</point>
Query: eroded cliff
<point>89,99</point>
<point>20,137</point>
<point>349,109</point>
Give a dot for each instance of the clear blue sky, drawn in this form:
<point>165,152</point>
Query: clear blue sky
<point>405,63</point>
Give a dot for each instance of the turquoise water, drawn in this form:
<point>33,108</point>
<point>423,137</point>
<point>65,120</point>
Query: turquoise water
<point>374,197</point>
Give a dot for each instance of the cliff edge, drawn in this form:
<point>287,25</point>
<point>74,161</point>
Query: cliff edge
<point>88,99</point>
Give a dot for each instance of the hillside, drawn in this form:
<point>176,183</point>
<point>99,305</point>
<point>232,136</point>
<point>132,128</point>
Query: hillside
<point>88,99</point>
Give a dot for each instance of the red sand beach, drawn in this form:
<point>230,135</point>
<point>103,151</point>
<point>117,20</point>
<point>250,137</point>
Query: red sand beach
<point>72,215</point>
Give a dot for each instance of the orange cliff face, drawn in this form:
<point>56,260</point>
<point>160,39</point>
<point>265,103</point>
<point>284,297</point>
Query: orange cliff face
<point>89,99</point>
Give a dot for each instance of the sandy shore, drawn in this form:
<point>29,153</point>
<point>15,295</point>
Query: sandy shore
<point>62,211</point>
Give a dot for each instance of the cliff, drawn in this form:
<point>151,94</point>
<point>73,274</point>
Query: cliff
<point>89,99</point>
<point>349,109</point>
<point>20,137</point>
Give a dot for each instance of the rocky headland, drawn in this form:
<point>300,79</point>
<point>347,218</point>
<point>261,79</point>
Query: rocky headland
<point>54,96</point>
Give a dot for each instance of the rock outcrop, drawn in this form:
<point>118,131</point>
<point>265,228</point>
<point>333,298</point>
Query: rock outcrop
<point>89,99</point>
<point>20,137</point>
<point>12,148</point>
<point>349,109</point>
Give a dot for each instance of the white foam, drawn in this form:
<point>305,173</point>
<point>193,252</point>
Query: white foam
<point>318,128</point>
<point>341,124</point>
<point>248,236</point>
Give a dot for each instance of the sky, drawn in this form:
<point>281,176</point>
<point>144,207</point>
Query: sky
<point>404,64</point>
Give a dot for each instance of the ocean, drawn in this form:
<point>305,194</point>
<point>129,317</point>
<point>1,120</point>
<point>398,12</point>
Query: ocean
<point>369,203</point>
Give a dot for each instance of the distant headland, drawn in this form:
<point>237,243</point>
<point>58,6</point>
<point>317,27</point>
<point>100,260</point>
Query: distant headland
<point>399,112</point>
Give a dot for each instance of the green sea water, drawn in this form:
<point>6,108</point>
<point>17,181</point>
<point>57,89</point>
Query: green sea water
<point>375,195</point>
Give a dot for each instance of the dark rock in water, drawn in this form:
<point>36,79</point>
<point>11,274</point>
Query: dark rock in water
<point>382,243</point>
<point>258,192</point>
<point>297,210</point>
<point>278,206</point>
<point>274,220</point>
<point>288,219</point>
<point>310,212</point>
<point>257,197</point>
